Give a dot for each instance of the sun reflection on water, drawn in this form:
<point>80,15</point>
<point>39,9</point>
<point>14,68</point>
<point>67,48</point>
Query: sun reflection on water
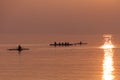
<point>108,67</point>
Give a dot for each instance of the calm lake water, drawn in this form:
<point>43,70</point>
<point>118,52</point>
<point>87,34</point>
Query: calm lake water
<point>43,62</point>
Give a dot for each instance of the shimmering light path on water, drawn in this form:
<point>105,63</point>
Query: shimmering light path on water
<point>108,67</point>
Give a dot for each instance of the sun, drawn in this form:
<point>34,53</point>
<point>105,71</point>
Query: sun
<point>107,42</point>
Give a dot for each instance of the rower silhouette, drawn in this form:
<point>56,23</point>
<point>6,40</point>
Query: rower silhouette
<point>19,48</point>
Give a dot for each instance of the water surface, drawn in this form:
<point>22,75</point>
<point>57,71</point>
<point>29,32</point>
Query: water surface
<point>43,62</point>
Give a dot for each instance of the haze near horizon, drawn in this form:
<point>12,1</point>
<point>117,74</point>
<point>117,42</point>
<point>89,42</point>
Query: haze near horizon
<point>59,16</point>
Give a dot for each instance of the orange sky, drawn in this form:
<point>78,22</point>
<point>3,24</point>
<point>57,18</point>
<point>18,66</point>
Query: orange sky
<point>60,16</point>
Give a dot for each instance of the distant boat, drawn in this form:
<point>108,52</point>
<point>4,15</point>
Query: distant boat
<point>61,44</point>
<point>19,48</point>
<point>81,43</point>
<point>67,44</point>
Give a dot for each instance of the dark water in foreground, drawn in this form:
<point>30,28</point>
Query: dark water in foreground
<point>43,62</point>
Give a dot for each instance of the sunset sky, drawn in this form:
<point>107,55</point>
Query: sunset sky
<point>59,16</point>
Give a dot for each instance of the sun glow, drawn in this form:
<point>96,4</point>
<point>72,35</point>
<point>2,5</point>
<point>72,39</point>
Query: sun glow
<point>107,46</point>
<point>108,67</point>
